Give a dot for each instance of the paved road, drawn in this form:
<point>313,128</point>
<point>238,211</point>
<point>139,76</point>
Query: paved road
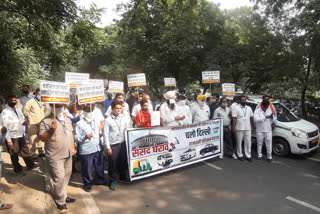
<point>218,186</point>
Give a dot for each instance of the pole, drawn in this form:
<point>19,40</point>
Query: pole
<point>75,102</point>
<point>54,120</point>
<point>91,116</point>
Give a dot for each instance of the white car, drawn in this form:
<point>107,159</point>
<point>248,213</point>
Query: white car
<point>188,154</point>
<point>292,134</point>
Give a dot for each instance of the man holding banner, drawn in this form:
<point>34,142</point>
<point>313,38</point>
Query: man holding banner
<point>88,138</point>
<point>56,132</point>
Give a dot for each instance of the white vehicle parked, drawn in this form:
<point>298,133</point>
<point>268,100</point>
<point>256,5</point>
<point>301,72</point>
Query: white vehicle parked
<point>292,134</point>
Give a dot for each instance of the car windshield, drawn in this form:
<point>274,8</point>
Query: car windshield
<point>284,115</point>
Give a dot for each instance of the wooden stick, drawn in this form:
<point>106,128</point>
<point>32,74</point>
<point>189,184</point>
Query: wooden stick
<point>75,102</point>
<point>55,120</point>
<point>91,116</point>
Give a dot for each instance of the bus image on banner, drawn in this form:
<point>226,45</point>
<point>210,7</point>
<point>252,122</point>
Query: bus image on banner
<point>156,150</point>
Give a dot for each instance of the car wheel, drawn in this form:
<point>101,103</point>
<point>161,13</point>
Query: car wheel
<point>280,147</point>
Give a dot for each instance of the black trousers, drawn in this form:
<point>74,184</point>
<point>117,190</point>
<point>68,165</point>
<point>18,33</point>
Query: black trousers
<point>87,162</point>
<point>19,147</point>
<point>117,163</point>
<point>228,148</point>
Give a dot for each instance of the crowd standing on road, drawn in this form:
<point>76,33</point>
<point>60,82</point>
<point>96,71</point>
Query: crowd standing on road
<point>36,132</point>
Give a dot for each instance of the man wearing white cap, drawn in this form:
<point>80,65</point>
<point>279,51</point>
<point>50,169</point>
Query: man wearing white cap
<point>200,110</point>
<point>169,111</point>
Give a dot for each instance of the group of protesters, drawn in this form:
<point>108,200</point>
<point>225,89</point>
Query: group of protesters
<point>56,132</point>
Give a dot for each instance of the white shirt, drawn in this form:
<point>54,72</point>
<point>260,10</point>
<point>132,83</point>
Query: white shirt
<point>137,108</point>
<point>184,110</point>
<point>234,106</point>
<point>262,123</point>
<point>224,114</point>
<point>243,115</point>
<point>25,99</point>
<point>168,115</point>
<point>13,122</point>
<point>200,113</point>
<point>113,130</point>
<point>128,119</point>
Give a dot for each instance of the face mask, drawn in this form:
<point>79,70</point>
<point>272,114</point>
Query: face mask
<point>38,97</point>
<point>115,113</point>
<point>145,108</point>
<point>25,92</point>
<point>223,105</point>
<point>172,101</point>
<point>213,101</point>
<point>123,108</point>
<point>12,104</point>
<point>201,103</point>
<point>87,115</point>
<point>121,100</point>
<point>59,113</point>
<point>243,103</point>
<point>132,94</point>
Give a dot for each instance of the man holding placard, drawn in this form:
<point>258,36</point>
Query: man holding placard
<point>90,148</point>
<point>56,132</point>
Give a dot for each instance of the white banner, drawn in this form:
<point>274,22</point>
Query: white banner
<point>54,92</point>
<point>115,86</point>
<point>90,93</point>
<point>157,150</point>
<point>137,80</point>
<point>74,79</point>
<point>210,76</point>
<point>170,82</point>
<point>228,89</point>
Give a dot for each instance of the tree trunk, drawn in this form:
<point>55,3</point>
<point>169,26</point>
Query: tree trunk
<point>305,88</point>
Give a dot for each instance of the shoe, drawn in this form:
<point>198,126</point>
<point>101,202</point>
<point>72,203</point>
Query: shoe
<point>62,207</point>
<point>20,174</point>
<point>234,156</point>
<point>269,160</point>
<point>259,158</point>
<point>33,167</point>
<point>6,206</point>
<point>70,200</point>
<point>249,159</point>
<point>221,158</point>
<point>87,189</point>
<point>113,185</point>
<point>241,158</point>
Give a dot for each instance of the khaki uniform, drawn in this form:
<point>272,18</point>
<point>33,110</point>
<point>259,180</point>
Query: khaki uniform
<point>59,156</point>
<point>35,111</point>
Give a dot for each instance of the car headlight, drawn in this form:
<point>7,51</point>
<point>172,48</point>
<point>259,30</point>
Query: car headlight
<point>299,133</point>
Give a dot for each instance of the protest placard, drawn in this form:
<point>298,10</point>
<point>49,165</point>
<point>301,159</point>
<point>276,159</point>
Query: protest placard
<point>169,82</point>
<point>54,92</point>
<point>74,79</point>
<point>91,93</point>
<point>155,118</point>
<point>228,89</point>
<point>137,80</point>
<point>157,150</point>
<point>115,86</point>
<point>210,76</point>
<point>105,82</point>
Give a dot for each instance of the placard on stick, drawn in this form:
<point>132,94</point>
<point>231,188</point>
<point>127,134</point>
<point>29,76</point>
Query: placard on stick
<point>115,86</point>
<point>137,80</point>
<point>210,76</point>
<point>228,89</point>
<point>54,92</point>
<point>170,82</point>
<point>75,79</point>
<point>90,93</point>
